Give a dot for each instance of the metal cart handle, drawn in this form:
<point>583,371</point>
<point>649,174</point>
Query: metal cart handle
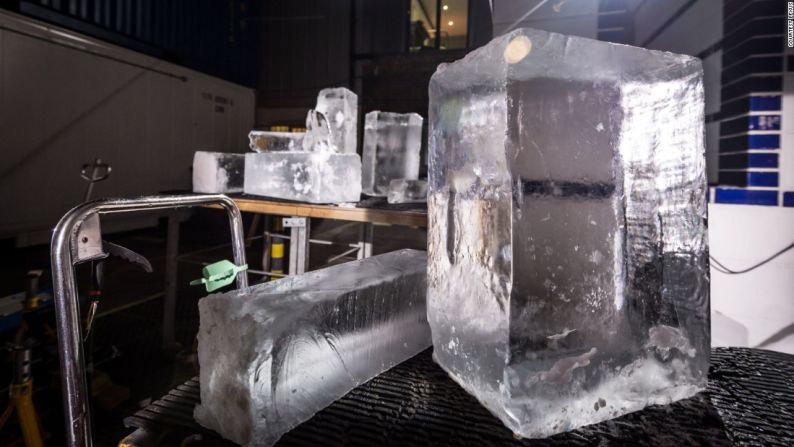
<point>62,258</point>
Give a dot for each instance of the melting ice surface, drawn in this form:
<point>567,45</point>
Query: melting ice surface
<point>568,276</point>
<point>316,177</point>
<point>274,354</point>
<point>407,191</point>
<point>265,141</point>
<point>217,172</point>
<point>392,142</point>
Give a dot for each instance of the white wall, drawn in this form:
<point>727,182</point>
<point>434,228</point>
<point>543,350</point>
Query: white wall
<point>761,300</point>
<point>66,99</point>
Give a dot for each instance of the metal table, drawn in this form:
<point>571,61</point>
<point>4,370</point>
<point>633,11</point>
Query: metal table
<point>749,401</point>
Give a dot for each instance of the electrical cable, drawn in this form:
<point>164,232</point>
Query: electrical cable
<point>720,267</point>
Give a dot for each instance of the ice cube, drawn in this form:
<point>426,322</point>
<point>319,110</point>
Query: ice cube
<point>217,172</point>
<point>274,354</point>
<point>568,259</point>
<point>264,141</point>
<point>340,107</point>
<point>316,177</point>
<point>407,191</point>
<point>392,142</point>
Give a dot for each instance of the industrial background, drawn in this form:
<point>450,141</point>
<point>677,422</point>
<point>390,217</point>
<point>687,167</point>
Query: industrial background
<point>143,84</point>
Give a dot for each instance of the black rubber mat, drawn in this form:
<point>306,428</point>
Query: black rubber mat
<point>749,401</point>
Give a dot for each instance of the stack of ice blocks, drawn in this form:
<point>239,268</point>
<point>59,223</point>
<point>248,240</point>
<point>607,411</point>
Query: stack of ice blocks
<point>392,142</point>
<point>274,354</point>
<point>218,172</point>
<point>568,259</point>
<point>323,168</point>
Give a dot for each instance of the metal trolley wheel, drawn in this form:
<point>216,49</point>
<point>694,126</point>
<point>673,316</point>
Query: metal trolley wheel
<point>78,238</point>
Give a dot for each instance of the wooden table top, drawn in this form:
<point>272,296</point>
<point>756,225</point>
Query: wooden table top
<point>383,216</point>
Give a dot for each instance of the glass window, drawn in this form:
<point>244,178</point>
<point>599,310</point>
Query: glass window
<point>441,24</point>
<point>454,23</point>
<point>423,24</point>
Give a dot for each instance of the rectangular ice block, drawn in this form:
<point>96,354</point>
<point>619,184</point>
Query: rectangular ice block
<point>218,172</point>
<point>265,141</point>
<point>316,177</point>
<point>568,259</point>
<point>339,106</point>
<point>392,142</point>
<point>274,354</point>
<point>407,191</point>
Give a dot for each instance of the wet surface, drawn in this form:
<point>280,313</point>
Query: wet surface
<point>749,401</point>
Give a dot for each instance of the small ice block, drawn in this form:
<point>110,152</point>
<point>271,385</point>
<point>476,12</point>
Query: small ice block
<point>274,354</point>
<point>218,172</point>
<point>407,191</point>
<point>315,177</point>
<point>265,141</point>
<point>392,142</point>
<point>340,108</point>
<point>568,255</point>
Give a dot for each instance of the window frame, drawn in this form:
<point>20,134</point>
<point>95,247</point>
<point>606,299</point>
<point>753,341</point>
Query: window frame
<point>437,29</point>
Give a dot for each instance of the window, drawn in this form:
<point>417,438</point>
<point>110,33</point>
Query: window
<point>438,24</point>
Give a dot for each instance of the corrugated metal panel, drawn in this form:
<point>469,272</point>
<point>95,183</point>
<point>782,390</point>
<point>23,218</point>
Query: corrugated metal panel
<point>217,37</point>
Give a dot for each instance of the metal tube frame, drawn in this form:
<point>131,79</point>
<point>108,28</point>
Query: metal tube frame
<point>67,312</point>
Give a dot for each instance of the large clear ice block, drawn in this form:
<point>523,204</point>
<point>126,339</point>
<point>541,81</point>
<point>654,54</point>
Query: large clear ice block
<point>266,141</point>
<point>392,142</point>
<point>218,172</point>
<point>407,191</point>
<point>568,258</point>
<point>316,177</point>
<point>274,354</point>
<point>338,108</point>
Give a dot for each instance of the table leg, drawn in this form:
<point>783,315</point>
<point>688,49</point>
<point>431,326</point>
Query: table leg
<point>266,240</point>
<point>366,235</point>
<point>298,244</point>
<point>169,303</point>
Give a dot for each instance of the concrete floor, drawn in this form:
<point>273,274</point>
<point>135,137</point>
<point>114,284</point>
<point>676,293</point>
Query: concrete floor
<point>127,343</point>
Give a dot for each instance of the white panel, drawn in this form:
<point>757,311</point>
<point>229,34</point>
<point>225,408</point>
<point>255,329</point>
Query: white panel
<point>741,236</point>
<point>62,107</point>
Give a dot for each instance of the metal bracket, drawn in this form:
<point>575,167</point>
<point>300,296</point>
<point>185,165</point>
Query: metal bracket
<point>86,242</point>
<point>294,222</point>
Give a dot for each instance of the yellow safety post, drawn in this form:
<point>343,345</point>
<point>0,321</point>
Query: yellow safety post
<point>277,250</point>
<point>21,394</point>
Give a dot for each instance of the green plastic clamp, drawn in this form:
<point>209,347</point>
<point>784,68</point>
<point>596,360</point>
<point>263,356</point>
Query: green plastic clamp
<point>218,274</point>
